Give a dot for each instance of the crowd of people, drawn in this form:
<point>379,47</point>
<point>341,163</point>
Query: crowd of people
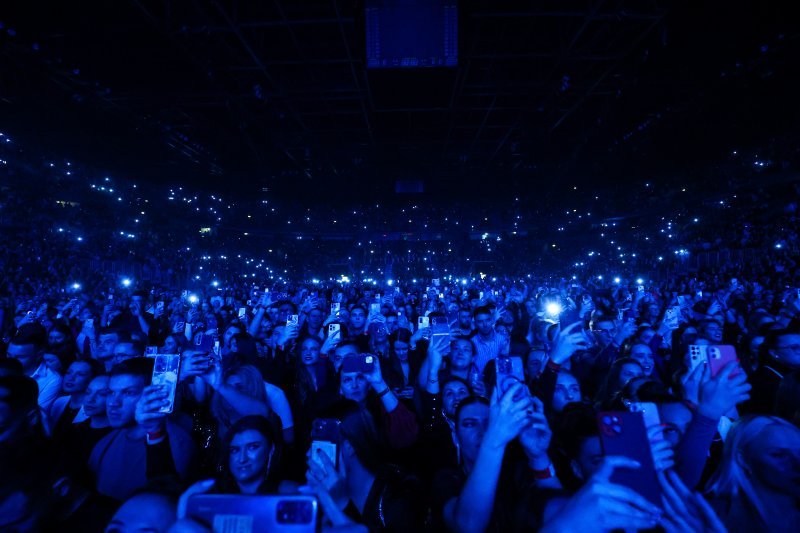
<point>516,374</point>
<point>449,405</point>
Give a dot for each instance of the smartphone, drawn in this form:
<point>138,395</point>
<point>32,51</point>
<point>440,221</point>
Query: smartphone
<point>229,301</point>
<point>625,434</point>
<point>242,313</point>
<point>640,288</point>
<point>165,373</point>
<point>363,363</point>
<point>254,513</point>
<point>216,347</point>
<point>333,329</point>
<point>650,413</point>
<point>480,295</point>
<point>374,309</point>
<point>440,327</point>
<point>151,351</point>
<point>88,323</point>
<point>335,308</point>
<point>509,371</point>
<point>160,306</point>
<point>423,322</point>
<point>292,320</point>
<point>716,356</point>
<point>204,343</point>
<point>326,436</point>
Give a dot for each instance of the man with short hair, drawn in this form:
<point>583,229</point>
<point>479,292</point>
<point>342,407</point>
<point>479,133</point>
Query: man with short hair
<point>488,344</point>
<point>780,356</point>
<point>106,343</point>
<point>143,444</point>
<point>27,347</point>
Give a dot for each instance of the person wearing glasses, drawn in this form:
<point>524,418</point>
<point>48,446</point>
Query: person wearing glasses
<point>780,355</point>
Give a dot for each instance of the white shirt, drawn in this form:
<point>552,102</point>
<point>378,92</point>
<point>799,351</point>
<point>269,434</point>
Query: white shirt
<point>49,386</point>
<point>279,404</point>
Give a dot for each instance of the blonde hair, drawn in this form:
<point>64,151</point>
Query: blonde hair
<point>731,480</point>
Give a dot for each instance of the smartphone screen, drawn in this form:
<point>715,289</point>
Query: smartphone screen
<point>335,308</point>
<point>423,322</point>
<point>242,313</point>
<point>165,373</point>
<point>293,320</point>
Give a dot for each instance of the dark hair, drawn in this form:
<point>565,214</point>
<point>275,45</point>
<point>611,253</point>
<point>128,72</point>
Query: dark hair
<point>96,368</point>
<point>137,366</point>
<point>34,334</point>
<point>10,367</point>
<point>451,379</point>
<point>401,335</point>
<point>23,393</point>
<point>348,342</point>
<point>469,400</point>
<point>481,310</point>
<point>360,430</point>
<point>263,426</point>
<point>610,386</point>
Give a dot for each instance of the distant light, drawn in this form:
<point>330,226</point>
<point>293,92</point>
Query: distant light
<point>126,282</point>
<point>315,281</point>
<point>639,281</point>
<point>617,280</point>
<point>215,283</point>
<point>80,239</point>
<point>76,286</point>
<point>390,282</point>
<point>553,308</point>
<point>779,246</point>
<point>193,299</point>
<point>600,277</point>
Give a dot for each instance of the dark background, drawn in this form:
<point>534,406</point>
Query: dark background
<point>274,96</point>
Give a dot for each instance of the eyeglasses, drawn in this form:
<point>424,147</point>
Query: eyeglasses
<point>606,331</point>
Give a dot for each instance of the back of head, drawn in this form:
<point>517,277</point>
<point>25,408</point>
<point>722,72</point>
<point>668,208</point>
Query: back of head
<point>732,480</point>
<point>138,366</point>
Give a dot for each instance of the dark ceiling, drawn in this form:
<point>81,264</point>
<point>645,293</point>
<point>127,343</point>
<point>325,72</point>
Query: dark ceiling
<point>241,96</point>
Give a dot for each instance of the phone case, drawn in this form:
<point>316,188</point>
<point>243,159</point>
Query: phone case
<point>363,363</point>
<point>649,412</point>
<point>440,327</point>
<point>333,329</point>
<point>719,356</point>
<point>165,373</point>
<point>509,371</point>
<point>624,434</point>
<point>255,513</point>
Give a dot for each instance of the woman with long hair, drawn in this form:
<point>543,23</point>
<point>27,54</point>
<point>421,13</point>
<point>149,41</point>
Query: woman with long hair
<point>757,485</point>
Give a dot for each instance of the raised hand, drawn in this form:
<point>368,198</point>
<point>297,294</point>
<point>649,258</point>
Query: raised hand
<point>507,417</point>
<point>568,341</point>
<point>535,439</point>
<point>686,510</point>
<point>720,394</point>
<point>148,416</point>
<point>601,505</point>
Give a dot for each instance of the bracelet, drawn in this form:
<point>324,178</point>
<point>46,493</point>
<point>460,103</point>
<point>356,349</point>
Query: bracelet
<point>155,436</point>
<point>547,473</point>
<point>384,392</point>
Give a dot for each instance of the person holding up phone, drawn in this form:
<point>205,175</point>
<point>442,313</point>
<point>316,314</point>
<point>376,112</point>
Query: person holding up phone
<point>364,384</point>
<point>466,499</point>
<point>143,444</point>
